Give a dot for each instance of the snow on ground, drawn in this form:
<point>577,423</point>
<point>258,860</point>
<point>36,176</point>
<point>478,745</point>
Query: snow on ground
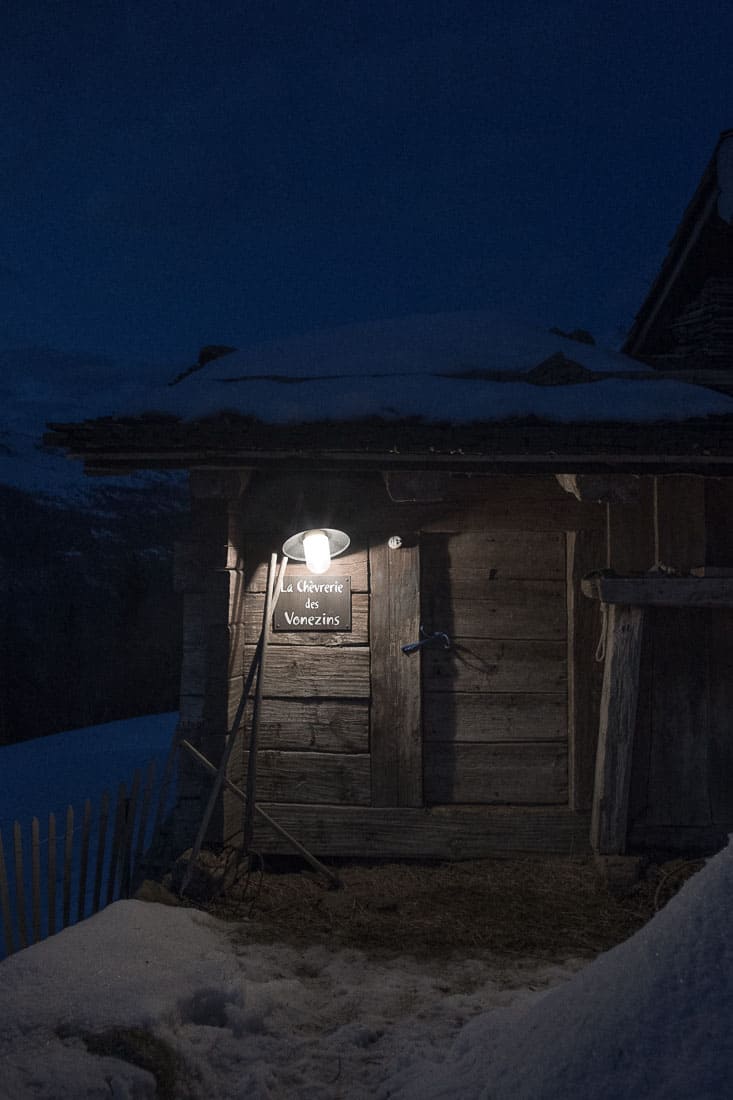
<point>47,774</point>
<point>247,1020</point>
<point>651,1018</point>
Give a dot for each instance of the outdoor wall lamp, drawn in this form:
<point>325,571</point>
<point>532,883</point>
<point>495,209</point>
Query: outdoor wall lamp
<point>316,547</point>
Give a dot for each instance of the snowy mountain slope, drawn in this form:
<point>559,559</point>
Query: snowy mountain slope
<point>38,385</point>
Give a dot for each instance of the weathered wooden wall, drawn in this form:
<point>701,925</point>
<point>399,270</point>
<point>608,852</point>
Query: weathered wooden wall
<point>500,596</point>
<point>314,736</point>
<point>345,725</point>
<point>682,758</point>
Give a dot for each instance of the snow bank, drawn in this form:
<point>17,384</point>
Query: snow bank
<point>266,1021</point>
<point>48,773</point>
<point>651,1018</point>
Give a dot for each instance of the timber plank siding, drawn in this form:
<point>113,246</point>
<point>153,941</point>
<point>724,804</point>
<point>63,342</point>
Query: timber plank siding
<point>530,772</point>
<point>507,555</point>
<point>441,832</point>
<point>314,740</point>
<point>309,672</point>
<point>501,717</point>
<point>352,725</point>
<point>500,665</point>
<point>515,609</point>
<point>495,705</point>
<point>315,725</point>
<point>313,777</point>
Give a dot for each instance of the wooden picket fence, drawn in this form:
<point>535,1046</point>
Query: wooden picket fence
<point>99,858</point>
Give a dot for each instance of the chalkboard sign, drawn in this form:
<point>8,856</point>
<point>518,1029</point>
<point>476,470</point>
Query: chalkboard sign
<point>313,603</point>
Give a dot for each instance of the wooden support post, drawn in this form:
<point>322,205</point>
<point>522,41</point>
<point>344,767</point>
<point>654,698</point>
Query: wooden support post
<point>396,727</point>
<point>619,697</point>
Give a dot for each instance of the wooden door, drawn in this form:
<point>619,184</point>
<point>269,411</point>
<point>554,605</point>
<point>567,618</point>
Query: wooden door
<point>495,703</point>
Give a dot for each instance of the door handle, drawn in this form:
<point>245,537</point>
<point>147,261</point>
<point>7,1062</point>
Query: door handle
<point>438,636</point>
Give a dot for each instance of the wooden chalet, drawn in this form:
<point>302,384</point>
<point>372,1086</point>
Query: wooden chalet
<point>560,519</point>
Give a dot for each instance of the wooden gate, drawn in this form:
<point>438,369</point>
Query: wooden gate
<point>495,704</point>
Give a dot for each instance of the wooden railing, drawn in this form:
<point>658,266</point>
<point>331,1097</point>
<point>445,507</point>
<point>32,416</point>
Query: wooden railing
<point>60,876</point>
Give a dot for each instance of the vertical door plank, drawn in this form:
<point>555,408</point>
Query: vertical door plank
<point>396,733</point>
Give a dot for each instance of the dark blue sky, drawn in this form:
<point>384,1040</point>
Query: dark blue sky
<point>178,173</point>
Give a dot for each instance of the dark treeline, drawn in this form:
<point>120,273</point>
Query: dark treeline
<point>90,628</point>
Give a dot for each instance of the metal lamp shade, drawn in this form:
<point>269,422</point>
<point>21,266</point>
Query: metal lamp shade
<point>338,541</point>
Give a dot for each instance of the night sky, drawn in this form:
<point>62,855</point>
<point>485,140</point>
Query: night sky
<point>176,173</point>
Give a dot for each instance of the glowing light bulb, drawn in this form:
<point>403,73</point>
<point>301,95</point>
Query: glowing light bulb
<point>317,553</point>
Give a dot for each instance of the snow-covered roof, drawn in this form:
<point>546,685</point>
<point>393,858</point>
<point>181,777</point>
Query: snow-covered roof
<point>424,388</point>
<point>457,367</point>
